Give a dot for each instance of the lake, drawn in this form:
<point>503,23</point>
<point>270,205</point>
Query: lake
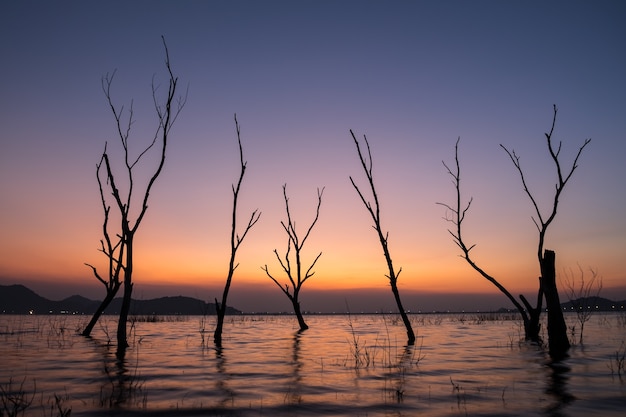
<point>344,365</point>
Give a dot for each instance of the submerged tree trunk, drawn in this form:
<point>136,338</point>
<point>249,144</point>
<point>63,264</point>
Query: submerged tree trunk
<point>557,330</point>
<point>122,342</point>
<point>220,310</point>
<point>532,324</point>
<point>405,318</point>
<point>298,312</point>
<point>532,329</point>
<point>217,334</point>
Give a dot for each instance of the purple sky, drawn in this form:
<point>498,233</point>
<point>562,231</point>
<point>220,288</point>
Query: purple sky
<point>411,75</point>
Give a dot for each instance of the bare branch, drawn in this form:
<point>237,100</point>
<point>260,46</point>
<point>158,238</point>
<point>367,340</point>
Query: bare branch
<point>367,164</point>
<point>236,240</point>
<point>286,265</point>
<point>166,121</point>
<point>308,273</point>
<point>95,272</point>
<point>515,159</point>
<point>459,212</point>
<point>543,222</point>
<point>317,214</point>
<point>284,289</point>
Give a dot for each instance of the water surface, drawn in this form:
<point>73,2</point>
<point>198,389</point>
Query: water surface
<point>342,366</point>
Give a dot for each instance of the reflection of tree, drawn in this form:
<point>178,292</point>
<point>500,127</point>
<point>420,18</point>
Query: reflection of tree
<point>396,377</point>
<point>222,377</point>
<point>558,376</point>
<point>294,394</point>
<point>125,386</point>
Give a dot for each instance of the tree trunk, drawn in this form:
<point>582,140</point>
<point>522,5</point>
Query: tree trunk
<point>220,309</point>
<point>296,309</point>
<point>532,325</point>
<point>103,305</point>
<point>122,342</point>
<point>557,330</point>
<point>405,319</point>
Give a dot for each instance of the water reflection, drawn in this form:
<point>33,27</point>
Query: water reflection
<point>294,390</point>
<point>124,385</point>
<point>403,367</point>
<point>222,378</point>
<point>269,369</point>
<point>558,388</point>
<point>397,374</point>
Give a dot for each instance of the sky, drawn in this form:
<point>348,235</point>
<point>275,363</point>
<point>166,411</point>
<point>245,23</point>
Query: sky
<point>412,76</point>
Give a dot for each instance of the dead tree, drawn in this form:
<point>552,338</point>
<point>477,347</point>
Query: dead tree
<point>374,211</point>
<point>459,210</point>
<point>557,330</point>
<point>235,241</point>
<point>582,295</point>
<point>299,276</point>
<point>124,200</point>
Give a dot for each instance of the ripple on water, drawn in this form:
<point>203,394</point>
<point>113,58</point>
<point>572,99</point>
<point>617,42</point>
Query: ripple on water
<point>341,366</point>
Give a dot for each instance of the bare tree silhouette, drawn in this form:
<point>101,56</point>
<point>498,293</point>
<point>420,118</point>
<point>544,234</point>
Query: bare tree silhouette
<point>120,251</point>
<point>374,211</point>
<point>557,331</point>
<point>299,276</point>
<point>582,295</point>
<point>235,241</point>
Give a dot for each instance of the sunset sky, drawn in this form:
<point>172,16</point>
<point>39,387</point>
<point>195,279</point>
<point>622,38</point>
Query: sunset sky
<point>411,75</point>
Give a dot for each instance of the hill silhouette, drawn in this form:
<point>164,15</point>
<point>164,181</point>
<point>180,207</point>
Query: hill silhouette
<point>18,299</point>
<point>594,303</point>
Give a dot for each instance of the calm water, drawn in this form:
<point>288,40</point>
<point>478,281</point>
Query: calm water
<point>342,366</point>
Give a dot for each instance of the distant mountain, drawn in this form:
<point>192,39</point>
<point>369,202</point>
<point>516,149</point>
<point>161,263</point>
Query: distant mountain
<point>17,299</point>
<point>594,303</point>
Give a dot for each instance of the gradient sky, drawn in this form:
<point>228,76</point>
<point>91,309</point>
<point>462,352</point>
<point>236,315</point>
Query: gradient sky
<point>412,76</point>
